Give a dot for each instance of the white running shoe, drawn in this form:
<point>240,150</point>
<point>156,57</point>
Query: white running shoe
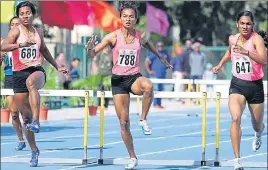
<point>133,162</point>
<point>256,143</point>
<point>145,127</point>
<point>238,165</point>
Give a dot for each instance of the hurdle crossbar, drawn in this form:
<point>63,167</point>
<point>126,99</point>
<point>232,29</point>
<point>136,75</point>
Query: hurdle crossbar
<point>108,94</point>
<point>50,160</point>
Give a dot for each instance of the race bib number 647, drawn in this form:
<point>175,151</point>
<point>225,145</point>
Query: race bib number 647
<point>127,58</point>
<point>243,66</point>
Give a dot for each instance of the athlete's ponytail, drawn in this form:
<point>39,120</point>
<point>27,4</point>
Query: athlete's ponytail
<point>264,35</point>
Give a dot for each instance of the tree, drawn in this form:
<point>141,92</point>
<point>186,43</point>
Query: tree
<point>210,22</point>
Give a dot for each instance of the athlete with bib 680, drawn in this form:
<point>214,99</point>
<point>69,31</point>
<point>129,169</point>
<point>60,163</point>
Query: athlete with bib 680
<point>126,47</point>
<point>248,55</point>
<point>27,43</point>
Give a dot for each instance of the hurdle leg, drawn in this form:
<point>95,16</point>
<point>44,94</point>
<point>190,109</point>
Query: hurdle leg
<point>189,90</point>
<point>218,96</point>
<point>197,90</point>
<point>84,161</point>
<point>204,111</point>
<point>100,161</point>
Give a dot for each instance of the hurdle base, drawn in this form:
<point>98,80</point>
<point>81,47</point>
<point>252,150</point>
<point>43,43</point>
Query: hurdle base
<point>89,161</point>
<point>111,161</point>
<point>209,163</point>
<point>203,163</point>
<point>216,163</point>
<point>100,161</point>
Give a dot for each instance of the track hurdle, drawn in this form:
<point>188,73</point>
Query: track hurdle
<point>67,161</point>
<point>203,162</point>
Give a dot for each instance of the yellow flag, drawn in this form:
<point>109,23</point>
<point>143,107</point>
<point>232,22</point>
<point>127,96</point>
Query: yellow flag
<point>7,11</point>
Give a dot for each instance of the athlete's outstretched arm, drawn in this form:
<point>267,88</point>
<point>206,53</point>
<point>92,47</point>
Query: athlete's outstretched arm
<point>45,52</point>
<point>8,44</point>
<point>149,46</point>
<point>93,49</point>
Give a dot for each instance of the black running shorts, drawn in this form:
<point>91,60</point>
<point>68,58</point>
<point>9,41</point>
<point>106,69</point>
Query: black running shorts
<point>20,77</point>
<point>8,83</point>
<point>251,90</point>
<point>121,84</point>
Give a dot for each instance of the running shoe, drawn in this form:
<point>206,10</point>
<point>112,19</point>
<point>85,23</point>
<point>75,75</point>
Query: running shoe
<point>133,162</point>
<point>145,127</point>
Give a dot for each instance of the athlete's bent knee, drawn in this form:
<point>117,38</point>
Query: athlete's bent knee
<point>15,115</point>
<point>124,124</point>
<point>14,110</point>
<point>148,87</point>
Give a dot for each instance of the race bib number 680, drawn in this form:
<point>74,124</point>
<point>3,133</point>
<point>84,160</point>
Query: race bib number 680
<point>28,53</point>
<point>127,58</point>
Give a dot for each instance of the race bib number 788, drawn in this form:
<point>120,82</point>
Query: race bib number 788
<point>127,58</point>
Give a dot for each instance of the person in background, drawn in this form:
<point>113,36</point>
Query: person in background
<point>73,74</point>
<point>177,62</point>
<point>157,69</point>
<point>197,62</point>
<point>185,64</point>
<point>60,60</point>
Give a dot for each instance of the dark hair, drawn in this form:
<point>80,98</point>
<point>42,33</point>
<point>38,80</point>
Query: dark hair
<point>245,13</point>
<point>23,4</point>
<point>15,17</point>
<point>264,35</point>
<point>129,5</point>
<point>74,59</point>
